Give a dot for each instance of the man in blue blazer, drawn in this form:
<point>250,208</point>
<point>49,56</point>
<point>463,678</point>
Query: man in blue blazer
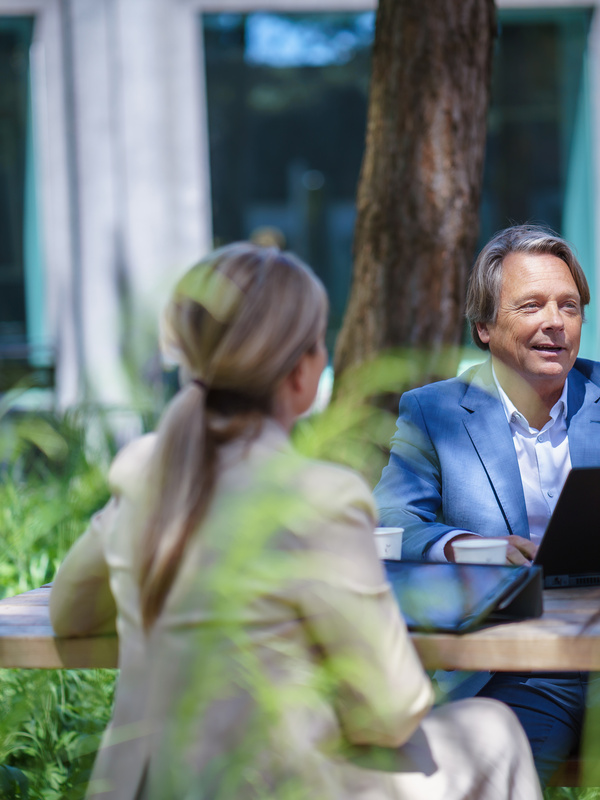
<point>487,453</point>
<point>453,465</point>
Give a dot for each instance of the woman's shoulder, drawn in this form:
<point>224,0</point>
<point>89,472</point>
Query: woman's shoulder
<point>130,465</point>
<point>332,487</point>
<point>324,484</point>
<point>334,526</point>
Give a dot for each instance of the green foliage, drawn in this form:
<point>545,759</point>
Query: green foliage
<point>53,478</point>
<point>51,485</point>
<point>13,783</point>
<point>52,721</point>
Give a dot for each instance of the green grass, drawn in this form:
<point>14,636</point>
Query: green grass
<point>50,720</point>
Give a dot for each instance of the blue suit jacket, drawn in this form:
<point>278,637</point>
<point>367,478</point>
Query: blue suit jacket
<point>453,463</point>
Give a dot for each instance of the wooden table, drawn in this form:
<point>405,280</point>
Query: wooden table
<point>27,639</point>
<point>559,640</point>
<point>562,639</point>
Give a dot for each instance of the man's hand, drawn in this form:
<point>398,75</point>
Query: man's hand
<point>520,550</point>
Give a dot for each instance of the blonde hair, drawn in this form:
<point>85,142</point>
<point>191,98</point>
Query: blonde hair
<point>238,323</point>
<point>485,281</point>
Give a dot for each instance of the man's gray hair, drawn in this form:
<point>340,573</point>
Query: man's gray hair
<point>483,293</point>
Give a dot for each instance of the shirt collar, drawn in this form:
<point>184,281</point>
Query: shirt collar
<point>558,411</point>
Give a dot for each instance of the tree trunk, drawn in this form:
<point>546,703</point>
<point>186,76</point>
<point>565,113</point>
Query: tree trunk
<point>419,189</point>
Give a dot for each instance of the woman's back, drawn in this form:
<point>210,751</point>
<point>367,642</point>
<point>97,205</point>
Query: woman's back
<point>234,671</point>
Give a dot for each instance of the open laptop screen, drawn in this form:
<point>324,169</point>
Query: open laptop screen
<point>569,552</point>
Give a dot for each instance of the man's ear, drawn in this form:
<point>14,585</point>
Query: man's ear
<point>482,330</point>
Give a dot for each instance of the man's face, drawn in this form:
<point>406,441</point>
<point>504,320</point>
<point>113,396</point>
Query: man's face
<point>537,331</point>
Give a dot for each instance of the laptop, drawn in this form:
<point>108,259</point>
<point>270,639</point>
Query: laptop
<point>569,552</point>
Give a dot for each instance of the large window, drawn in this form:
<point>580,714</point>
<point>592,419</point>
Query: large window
<point>538,126</point>
<point>287,98</point>
<point>287,102</point>
<point>22,339</point>
<point>15,38</point>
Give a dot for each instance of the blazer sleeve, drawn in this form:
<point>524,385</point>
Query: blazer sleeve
<point>382,691</point>
<point>409,494</point>
<point>81,601</point>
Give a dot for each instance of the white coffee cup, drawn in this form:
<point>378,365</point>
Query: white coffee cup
<point>388,542</point>
<point>480,551</point>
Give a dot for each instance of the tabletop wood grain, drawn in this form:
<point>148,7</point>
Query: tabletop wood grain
<point>562,639</point>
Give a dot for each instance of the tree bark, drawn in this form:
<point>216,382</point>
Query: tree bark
<point>419,188</point>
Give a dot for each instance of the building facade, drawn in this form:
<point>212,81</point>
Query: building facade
<point>134,134</point>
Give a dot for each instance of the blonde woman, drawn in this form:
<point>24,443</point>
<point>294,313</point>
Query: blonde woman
<point>261,652</point>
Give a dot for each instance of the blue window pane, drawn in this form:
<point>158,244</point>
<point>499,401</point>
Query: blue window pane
<point>287,99</point>
<point>15,38</point>
<point>538,70</point>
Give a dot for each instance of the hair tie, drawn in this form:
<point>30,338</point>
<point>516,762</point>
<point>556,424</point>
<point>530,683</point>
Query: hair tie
<point>200,384</point>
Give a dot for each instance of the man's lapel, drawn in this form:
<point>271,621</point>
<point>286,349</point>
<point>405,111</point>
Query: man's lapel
<point>491,437</point>
<point>583,420</point>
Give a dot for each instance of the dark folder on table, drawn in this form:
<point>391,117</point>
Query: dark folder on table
<point>569,552</point>
<point>460,597</point>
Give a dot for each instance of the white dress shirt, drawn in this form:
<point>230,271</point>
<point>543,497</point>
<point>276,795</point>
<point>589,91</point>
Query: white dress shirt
<point>544,459</point>
<point>544,463</point>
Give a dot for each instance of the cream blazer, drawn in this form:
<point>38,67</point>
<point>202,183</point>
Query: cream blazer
<point>280,652</point>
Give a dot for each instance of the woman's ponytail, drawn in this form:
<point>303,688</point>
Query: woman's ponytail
<point>238,323</point>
